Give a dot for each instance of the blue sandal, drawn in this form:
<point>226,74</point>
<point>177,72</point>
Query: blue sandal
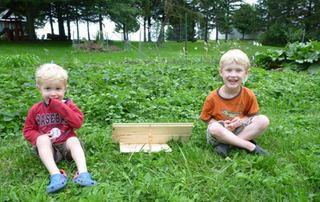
<point>57,181</point>
<point>84,179</point>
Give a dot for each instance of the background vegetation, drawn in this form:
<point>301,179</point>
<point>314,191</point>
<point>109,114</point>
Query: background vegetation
<point>63,52</point>
<point>277,22</point>
<point>137,91</point>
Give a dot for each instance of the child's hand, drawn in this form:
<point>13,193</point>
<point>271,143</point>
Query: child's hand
<point>228,125</point>
<point>52,139</point>
<point>233,124</point>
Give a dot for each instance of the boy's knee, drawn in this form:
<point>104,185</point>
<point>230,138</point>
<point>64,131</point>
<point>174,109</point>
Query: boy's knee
<point>43,139</point>
<point>73,143</point>
<point>263,121</point>
<point>216,129</point>
<point>73,140</point>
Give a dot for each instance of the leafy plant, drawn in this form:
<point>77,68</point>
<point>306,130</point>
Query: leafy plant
<point>296,56</point>
<point>23,60</point>
<point>271,59</point>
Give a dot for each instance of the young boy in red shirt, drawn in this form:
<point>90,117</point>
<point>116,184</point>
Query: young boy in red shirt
<point>231,110</point>
<point>50,125</point>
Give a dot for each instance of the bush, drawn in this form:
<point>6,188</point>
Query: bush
<point>274,36</point>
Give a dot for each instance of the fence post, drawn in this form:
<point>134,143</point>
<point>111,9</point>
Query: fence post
<point>140,44</point>
<point>186,52</point>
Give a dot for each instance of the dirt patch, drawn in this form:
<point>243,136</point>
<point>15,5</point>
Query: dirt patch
<point>114,49</point>
<point>91,47</point>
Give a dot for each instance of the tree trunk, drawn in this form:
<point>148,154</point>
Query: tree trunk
<point>77,23</point>
<point>100,22</point>
<point>124,32</point>
<point>51,21</point>
<point>100,25</point>
<point>161,35</point>
<point>206,27</point>
<point>206,31</point>
<point>60,21</point>
<point>149,29</point>
<point>193,31</point>
<point>217,34</point>
<point>144,29</point>
<point>68,25</point>
<point>88,30</point>
<point>30,23</point>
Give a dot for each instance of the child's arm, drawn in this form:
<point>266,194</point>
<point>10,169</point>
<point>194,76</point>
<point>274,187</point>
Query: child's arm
<point>30,129</point>
<point>69,111</point>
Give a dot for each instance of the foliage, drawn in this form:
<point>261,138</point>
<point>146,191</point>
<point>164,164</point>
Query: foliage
<point>171,51</point>
<point>295,34</point>
<point>296,56</point>
<point>286,21</point>
<point>274,36</point>
<point>270,59</point>
<point>138,92</point>
<point>19,61</point>
<point>244,20</point>
<point>224,18</point>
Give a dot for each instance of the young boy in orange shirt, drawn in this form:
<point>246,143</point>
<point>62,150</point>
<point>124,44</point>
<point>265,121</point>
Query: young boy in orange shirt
<point>231,110</point>
<point>50,125</point>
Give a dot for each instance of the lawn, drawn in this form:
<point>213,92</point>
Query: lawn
<point>63,52</point>
<point>134,92</point>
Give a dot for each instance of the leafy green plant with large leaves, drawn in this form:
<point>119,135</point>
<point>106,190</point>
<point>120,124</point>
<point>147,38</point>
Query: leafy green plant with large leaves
<point>295,56</point>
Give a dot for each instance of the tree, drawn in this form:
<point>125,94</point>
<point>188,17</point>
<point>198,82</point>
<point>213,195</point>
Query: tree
<point>244,20</point>
<point>225,16</point>
<point>29,9</point>
<point>177,21</point>
<point>288,20</point>
<point>309,14</point>
<point>167,11</point>
<point>173,12</point>
<point>277,17</point>
<point>209,10</point>
<point>125,17</point>
<point>147,6</point>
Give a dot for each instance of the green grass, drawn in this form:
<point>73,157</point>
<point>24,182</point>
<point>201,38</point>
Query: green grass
<point>63,52</point>
<point>139,92</point>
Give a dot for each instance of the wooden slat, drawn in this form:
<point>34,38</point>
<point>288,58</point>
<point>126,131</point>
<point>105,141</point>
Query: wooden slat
<point>138,133</point>
<point>127,148</point>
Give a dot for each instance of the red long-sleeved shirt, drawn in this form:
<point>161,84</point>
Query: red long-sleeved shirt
<point>57,114</point>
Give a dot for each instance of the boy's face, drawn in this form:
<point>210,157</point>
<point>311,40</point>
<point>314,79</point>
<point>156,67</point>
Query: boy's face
<point>233,75</point>
<point>54,89</point>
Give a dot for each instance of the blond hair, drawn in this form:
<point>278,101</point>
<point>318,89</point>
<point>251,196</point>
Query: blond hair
<point>51,72</point>
<point>235,56</point>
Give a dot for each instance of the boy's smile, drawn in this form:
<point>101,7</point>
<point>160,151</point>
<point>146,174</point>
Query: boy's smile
<point>233,75</point>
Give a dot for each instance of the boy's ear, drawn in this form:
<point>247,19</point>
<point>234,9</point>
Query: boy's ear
<point>220,71</point>
<point>38,87</point>
<point>247,72</point>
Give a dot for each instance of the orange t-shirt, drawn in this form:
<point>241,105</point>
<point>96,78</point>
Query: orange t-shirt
<point>243,104</point>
